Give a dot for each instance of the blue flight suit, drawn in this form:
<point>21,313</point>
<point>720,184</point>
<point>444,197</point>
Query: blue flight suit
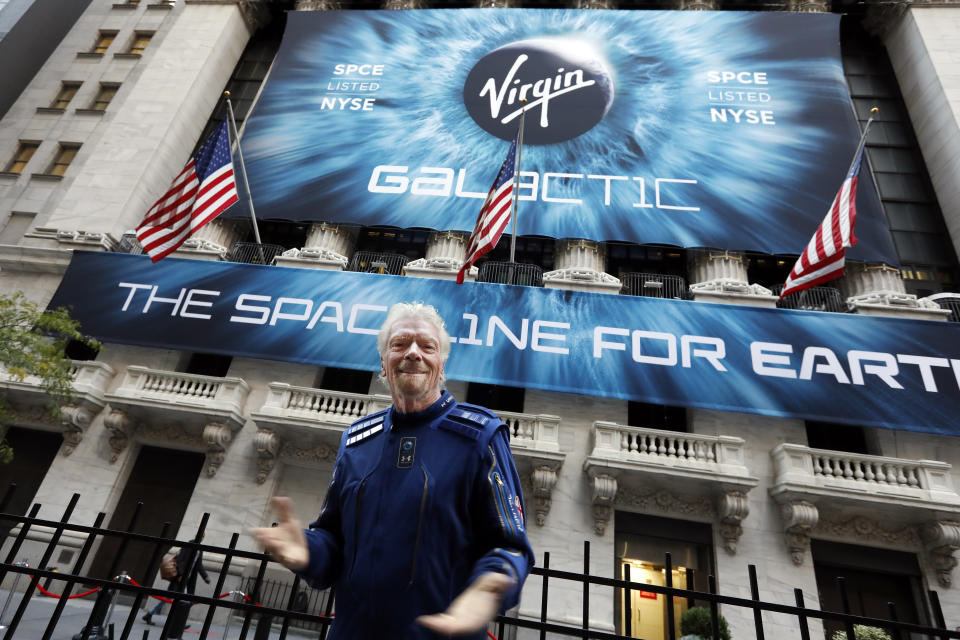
<point>419,505</point>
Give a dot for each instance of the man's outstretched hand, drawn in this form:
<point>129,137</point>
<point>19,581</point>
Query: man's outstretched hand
<point>286,542</point>
<point>473,609</point>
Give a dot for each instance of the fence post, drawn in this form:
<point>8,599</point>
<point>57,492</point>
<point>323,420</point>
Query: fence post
<point>13,590</point>
<point>755,594</point>
<point>123,578</point>
<point>668,579</point>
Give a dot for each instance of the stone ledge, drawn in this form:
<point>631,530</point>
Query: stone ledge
<point>34,259</point>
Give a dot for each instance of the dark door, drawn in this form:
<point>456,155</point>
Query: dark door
<point>163,480</point>
<point>33,453</point>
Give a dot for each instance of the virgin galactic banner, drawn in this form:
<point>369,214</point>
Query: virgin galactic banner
<point>689,128</point>
<point>874,371</point>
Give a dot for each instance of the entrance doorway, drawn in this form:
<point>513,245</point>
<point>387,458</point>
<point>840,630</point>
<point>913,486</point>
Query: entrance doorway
<point>33,453</point>
<point>641,545</point>
<point>163,480</point>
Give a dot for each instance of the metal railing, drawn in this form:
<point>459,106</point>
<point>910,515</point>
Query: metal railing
<point>528,275</point>
<point>253,253</point>
<point>270,609</point>
<point>277,593</point>
<point>376,262</point>
<point>953,304</point>
<point>812,299</point>
<point>654,285</point>
<point>129,244</point>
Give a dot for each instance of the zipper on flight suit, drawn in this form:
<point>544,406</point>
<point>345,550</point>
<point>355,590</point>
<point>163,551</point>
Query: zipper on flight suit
<point>493,476</point>
<point>356,524</point>
<point>416,540</point>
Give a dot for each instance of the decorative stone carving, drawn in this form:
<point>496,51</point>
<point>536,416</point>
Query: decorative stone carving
<point>75,421</point>
<point>941,538</point>
<point>544,479</point>
<point>604,493</point>
<point>446,251</point>
<point>594,4</point>
<point>581,262</point>
<point>402,4</point>
<point>879,288</point>
<point>799,519</point>
<point>722,273</point>
<point>317,5</point>
<point>699,5</point>
<point>496,4</point>
<point>862,528</point>
<point>810,6</point>
<point>216,436</point>
<point>317,453</point>
<point>664,501</point>
<point>732,508</point>
<point>266,445</point>
<point>120,426</point>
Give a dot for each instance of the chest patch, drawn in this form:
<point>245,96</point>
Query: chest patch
<point>406,452</point>
<point>363,430</point>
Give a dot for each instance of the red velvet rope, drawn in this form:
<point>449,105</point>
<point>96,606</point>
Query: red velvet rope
<point>53,595</point>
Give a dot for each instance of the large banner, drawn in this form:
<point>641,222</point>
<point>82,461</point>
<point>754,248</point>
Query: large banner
<point>873,371</point>
<point>724,129</point>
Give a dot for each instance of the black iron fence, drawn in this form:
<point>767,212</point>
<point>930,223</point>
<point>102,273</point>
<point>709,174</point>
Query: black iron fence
<point>253,253</point>
<point>378,262</point>
<point>654,285</point>
<point>528,275</point>
<point>951,302</point>
<point>812,299</point>
<point>266,611</point>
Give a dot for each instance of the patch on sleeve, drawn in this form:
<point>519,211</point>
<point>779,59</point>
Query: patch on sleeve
<point>364,429</point>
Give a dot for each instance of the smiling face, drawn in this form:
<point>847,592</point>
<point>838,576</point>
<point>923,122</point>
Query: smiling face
<point>413,364</point>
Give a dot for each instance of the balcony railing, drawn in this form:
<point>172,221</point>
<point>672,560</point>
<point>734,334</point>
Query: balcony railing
<point>801,470</point>
<point>654,285</point>
<point>533,430</point>
<point>253,253</point>
<point>952,303</point>
<point>287,402</point>
<point>375,262</point>
<point>181,389</point>
<point>637,446</point>
<point>528,275</point>
<point>812,299</point>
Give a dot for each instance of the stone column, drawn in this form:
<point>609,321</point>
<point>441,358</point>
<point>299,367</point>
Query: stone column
<point>403,4</point>
<point>579,266</point>
<point>594,4</point>
<point>328,247</point>
<point>317,5</point>
<point>721,276</point>
<point>877,289</point>
<point>699,5</point>
<point>446,251</point>
<point>213,240</point>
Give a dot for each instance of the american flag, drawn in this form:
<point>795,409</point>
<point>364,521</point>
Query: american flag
<point>823,259</point>
<point>202,191</point>
<point>494,215</point>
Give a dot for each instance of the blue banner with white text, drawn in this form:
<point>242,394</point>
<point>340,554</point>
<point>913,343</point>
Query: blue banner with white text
<point>721,129</point>
<point>873,371</point>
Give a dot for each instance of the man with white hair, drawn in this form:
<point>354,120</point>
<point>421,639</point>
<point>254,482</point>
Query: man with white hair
<point>423,513</point>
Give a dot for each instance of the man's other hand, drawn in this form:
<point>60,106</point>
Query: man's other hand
<point>473,609</point>
<point>286,542</point>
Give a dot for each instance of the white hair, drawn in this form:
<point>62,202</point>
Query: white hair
<point>417,310</point>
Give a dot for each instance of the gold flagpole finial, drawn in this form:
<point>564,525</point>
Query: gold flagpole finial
<point>226,94</point>
<point>875,111</point>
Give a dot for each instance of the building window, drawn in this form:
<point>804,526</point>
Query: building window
<point>104,96</point>
<point>65,155</point>
<point>140,41</point>
<point>656,416</point>
<point>20,159</point>
<point>206,364</point>
<point>496,397</point>
<point>67,91</point>
<point>838,437</point>
<point>346,380</point>
<point>103,42</point>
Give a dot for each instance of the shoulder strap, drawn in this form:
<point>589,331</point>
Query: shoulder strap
<point>365,428</point>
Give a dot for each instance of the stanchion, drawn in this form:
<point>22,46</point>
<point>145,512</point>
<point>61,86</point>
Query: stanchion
<point>239,596</point>
<point>123,578</point>
<point>96,627</point>
<point>13,590</point>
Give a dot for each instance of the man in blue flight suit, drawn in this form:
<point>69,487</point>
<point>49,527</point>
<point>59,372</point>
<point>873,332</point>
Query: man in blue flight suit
<point>423,513</point>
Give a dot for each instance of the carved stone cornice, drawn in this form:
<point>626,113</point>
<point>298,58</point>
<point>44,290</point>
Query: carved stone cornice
<point>604,494</point>
<point>732,508</point>
<point>544,478</point>
<point>941,539</point>
<point>799,519</point>
<point>863,529</point>
<point>313,454</point>
<point>120,427</point>
<point>810,6</point>
<point>661,500</point>
<point>594,4</point>
<point>266,444</point>
<point>216,437</point>
<point>317,5</point>
<point>396,5</point>
<point>75,420</point>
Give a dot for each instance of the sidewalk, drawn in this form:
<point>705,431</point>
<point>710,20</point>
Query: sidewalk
<point>75,614</point>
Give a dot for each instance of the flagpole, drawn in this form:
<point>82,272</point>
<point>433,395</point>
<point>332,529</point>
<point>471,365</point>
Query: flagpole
<point>516,186</point>
<point>246,183</point>
<point>863,137</point>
